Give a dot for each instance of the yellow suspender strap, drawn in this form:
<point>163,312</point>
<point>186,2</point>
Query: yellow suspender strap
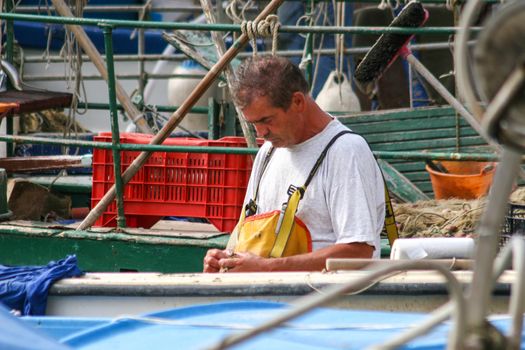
<point>390,220</point>
<point>286,221</point>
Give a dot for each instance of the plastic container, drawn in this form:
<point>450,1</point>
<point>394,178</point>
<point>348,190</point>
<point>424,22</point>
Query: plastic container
<point>514,222</point>
<point>464,180</point>
<point>201,185</point>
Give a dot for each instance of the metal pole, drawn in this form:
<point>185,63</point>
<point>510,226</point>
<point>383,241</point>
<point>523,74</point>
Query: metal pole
<point>141,51</point>
<point>287,53</point>
<point>158,108</point>
<point>9,55</point>
<point>487,246</point>
<point>309,44</point>
<point>70,20</point>
<point>436,84</point>
<point>233,150</point>
<point>115,133</point>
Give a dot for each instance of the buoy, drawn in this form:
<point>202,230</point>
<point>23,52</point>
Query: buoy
<point>337,95</point>
<point>179,88</point>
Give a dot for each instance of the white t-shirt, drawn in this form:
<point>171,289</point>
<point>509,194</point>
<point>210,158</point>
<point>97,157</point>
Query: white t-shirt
<point>345,201</point>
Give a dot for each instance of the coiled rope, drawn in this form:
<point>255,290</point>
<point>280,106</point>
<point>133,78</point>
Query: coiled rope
<point>268,27</point>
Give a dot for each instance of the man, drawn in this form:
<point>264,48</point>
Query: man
<point>343,208</point>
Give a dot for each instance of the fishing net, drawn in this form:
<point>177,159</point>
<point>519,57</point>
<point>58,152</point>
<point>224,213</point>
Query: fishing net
<point>444,218</point>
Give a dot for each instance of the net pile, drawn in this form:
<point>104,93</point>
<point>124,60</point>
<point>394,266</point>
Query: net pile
<point>444,218</point>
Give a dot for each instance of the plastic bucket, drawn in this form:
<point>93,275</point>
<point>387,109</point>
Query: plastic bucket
<point>464,180</point>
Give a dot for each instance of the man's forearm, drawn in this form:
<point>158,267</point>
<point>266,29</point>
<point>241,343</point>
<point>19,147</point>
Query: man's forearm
<point>316,261</point>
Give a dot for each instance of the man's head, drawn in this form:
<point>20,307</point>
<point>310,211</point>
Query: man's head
<point>272,93</point>
<point>274,77</point>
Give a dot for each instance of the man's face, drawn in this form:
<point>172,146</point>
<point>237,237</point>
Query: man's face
<point>274,124</point>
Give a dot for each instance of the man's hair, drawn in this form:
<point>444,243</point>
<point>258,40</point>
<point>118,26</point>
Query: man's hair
<point>274,77</point>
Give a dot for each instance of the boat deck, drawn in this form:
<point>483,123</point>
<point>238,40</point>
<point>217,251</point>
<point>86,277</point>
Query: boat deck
<point>112,294</point>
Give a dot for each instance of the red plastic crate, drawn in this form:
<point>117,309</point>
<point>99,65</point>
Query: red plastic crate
<point>201,185</point>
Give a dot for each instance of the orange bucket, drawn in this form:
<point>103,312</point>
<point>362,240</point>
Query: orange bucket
<point>464,180</point>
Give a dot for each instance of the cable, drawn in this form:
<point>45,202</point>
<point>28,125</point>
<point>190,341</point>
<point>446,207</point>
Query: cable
<point>463,76</point>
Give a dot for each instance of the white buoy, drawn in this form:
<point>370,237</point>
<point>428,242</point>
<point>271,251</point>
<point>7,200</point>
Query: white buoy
<point>337,95</point>
<point>179,88</point>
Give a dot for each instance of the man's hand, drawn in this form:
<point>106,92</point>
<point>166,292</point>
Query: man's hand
<point>212,258</point>
<point>217,260</point>
<point>243,262</point>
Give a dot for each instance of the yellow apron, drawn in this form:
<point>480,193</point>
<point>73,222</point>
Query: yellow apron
<point>280,233</point>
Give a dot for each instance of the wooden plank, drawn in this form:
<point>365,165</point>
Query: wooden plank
<point>399,185</point>
<point>409,136</point>
<point>24,164</point>
<point>420,145</point>
<point>408,167</point>
<point>30,101</point>
<point>397,126</point>
<point>397,114</point>
<point>418,176</point>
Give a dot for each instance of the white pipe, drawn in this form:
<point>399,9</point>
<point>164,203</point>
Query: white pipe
<point>432,248</point>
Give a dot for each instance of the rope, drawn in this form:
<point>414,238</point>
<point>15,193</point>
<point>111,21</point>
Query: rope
<point>339,13</point>
<point>146,8</point>
<point>73,65</point>
<point>384,4</point>
<point>268,27</point>
<point>233,14</point>
<point>1,23</point>
<point>322,10</point>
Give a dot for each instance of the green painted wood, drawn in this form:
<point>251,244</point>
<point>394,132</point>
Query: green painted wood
<point>105,251</point>
<point>385,126</point>
<point>428,145</point>
<point>430,135</point>
<point>399,185</point>
<point>405,113</point>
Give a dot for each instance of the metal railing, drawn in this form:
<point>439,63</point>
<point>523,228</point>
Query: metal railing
<point>107,26</point>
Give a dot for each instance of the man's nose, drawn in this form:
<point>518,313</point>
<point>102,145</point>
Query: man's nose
<point>261,130</point>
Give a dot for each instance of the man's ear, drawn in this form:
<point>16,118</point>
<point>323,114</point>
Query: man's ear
<point>298,102</point>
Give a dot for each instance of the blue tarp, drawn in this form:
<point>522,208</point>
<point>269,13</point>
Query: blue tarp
<point>25,288</point>
<point>17,335</point>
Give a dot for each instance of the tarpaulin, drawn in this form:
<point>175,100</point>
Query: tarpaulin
<point>17,335</point>
<point>25,288</point>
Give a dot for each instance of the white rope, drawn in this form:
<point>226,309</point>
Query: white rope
<point>322,10</point>
<point>147,7</point>
<point>231,10</point>
<point>449,4</point>
<point>339,13</point>
<point>268,27</point>
<point>245,326</point>
<point>383,5</point>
